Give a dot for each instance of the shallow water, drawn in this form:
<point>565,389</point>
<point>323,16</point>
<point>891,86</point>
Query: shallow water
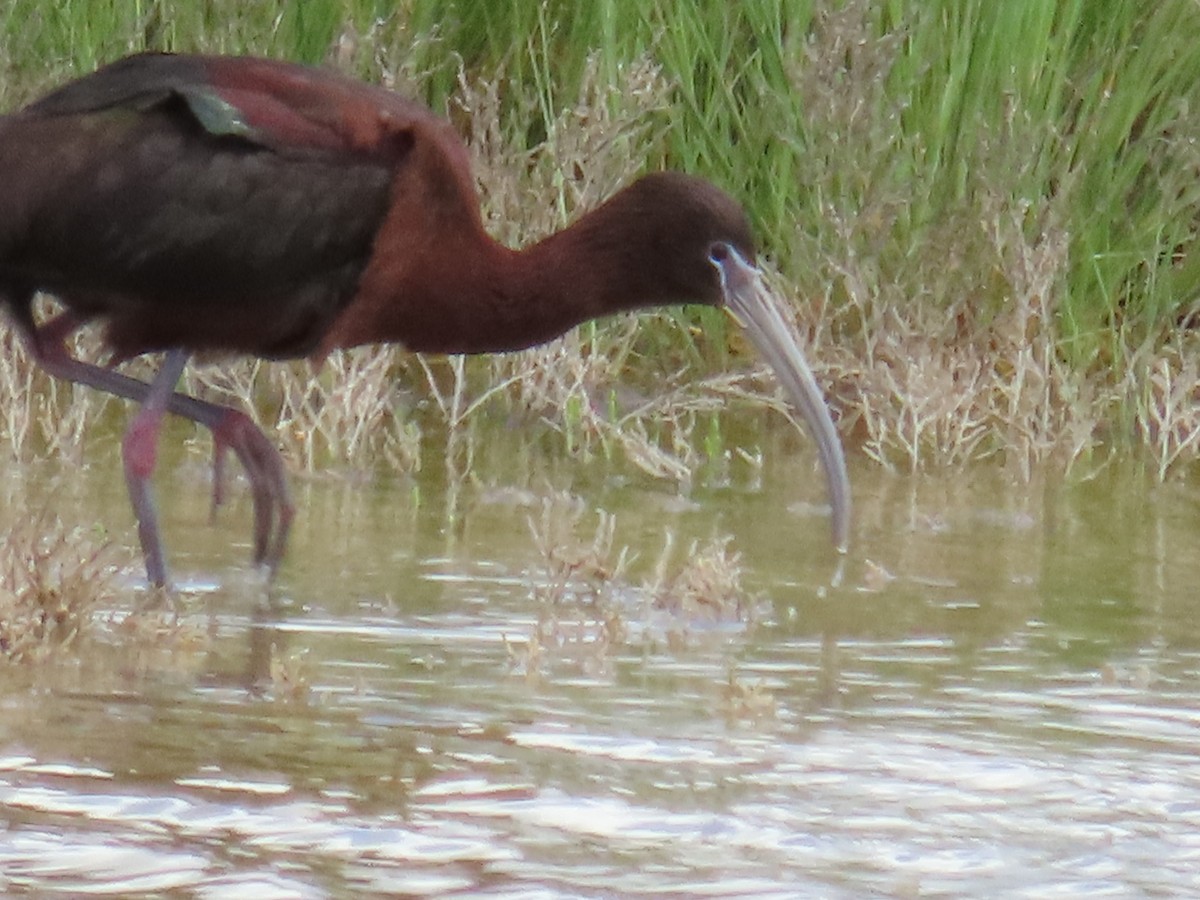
<point>996,693</point>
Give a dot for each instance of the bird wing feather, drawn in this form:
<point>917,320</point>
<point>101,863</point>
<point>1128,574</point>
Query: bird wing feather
<point>273,103</point>
<point>216,202</point>
<point>200,202</point>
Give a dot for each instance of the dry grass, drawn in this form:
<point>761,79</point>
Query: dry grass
<point>1163,389</point>
<point>54,580</point>
<point>706,587</point>
<point>742,699</point>
<point>590,608</point>
<point>346,417</point>
<point>921,386</point>
<point>579,618</point>
<point>589,605</point>
<point>63,601</point>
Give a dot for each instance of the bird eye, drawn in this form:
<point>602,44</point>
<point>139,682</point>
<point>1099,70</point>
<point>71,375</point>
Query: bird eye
<point>718,252</point>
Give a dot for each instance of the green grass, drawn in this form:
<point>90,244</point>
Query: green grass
<point>911,158</point>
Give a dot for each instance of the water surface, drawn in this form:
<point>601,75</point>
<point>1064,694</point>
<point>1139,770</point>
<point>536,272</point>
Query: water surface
<point>996,693</point>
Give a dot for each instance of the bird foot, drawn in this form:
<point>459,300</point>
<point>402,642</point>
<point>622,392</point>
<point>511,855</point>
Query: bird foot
<point>273,507</point>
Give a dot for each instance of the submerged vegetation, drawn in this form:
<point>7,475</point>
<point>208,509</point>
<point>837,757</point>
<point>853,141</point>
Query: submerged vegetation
<point>52,580</point>
<point>590,608</point>
<point>60,587</point>
<point>982,217</point>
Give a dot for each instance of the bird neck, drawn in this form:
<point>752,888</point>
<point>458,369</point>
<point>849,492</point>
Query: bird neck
<point>587,271</point>
<point>463,292</point>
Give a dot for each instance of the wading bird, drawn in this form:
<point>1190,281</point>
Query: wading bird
<point>207,203</point>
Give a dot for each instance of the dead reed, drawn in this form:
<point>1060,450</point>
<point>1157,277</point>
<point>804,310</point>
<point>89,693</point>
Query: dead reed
<point>590,606</point>
<point>55,580</point>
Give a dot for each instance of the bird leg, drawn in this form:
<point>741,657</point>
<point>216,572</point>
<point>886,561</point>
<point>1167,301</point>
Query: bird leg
<point>236,431</point>
<point>231,430</point>
<point>139,451</point>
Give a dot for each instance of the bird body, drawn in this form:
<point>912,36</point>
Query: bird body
<point>234,204</point>
<point>208,203</point>
<point>256,206</point>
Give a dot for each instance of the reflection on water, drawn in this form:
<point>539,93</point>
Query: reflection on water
<point>999,695</point>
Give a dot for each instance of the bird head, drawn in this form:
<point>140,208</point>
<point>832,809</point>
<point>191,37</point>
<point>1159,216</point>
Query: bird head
<point>701,240</point>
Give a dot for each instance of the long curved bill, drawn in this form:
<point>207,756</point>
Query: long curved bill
<point>755,311</point>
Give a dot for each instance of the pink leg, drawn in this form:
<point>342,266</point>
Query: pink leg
<point>139,450</point>
<point>273,507</point>
<point>231,429</point>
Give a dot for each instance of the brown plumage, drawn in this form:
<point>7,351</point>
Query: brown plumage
<point>196,203</point>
